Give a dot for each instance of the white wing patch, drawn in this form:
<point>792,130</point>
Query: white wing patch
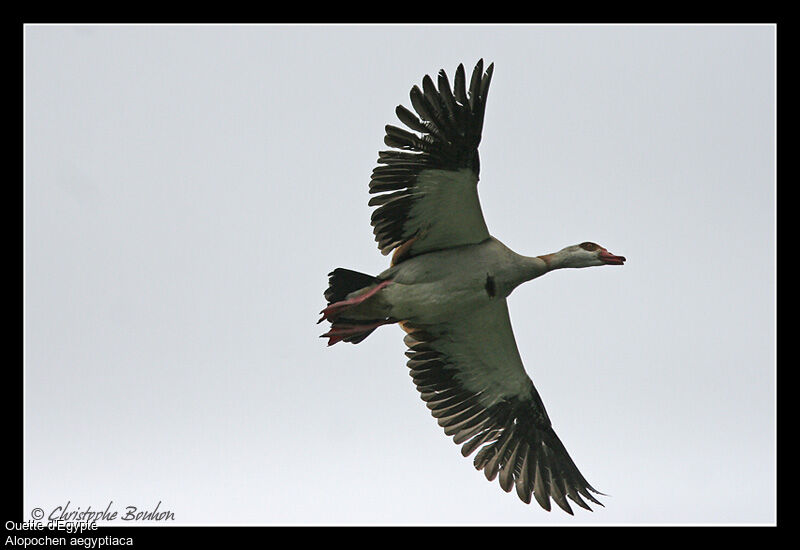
<point>483,348</point>
<point>447,212</point>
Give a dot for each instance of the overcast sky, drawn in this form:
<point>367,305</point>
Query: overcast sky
<point>187,190</point>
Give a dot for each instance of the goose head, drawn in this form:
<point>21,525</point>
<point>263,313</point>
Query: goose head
<point>586,254</point>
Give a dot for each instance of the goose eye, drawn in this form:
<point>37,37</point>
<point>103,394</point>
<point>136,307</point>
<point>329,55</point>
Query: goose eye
<point>591,247</point>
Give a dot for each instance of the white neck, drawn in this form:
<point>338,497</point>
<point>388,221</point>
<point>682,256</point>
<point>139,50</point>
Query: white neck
<point>531,267</point>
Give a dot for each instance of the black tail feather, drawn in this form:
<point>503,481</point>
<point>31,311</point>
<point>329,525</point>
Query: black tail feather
<point>342,282</point>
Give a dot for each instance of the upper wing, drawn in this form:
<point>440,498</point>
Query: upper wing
<point>428,191</point>
<point>471,376</point>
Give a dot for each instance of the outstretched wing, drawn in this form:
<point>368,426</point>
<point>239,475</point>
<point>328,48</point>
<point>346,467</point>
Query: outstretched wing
<point>427,191</point>
<point>470,374</point>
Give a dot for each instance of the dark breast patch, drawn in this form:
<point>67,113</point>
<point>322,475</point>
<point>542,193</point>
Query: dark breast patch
<point>491,290</point>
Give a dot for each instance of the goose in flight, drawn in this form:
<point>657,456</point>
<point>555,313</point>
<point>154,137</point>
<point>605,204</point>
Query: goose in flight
<point>447,287</point>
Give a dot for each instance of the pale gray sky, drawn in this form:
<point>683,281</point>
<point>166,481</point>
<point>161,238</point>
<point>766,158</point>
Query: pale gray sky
<point>187,190</point>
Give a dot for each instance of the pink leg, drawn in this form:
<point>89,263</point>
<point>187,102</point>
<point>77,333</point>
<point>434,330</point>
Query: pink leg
<point>342,331</point>
<point>333,310</point>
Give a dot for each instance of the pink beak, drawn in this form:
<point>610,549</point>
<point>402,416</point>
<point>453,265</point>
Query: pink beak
<point>610,259</point>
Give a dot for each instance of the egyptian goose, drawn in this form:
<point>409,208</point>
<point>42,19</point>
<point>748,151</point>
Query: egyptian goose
<point>447,287</point>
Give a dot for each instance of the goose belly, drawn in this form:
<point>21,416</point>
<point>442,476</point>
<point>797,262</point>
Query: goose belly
<point>434,302</point>
<point>440,286</point>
